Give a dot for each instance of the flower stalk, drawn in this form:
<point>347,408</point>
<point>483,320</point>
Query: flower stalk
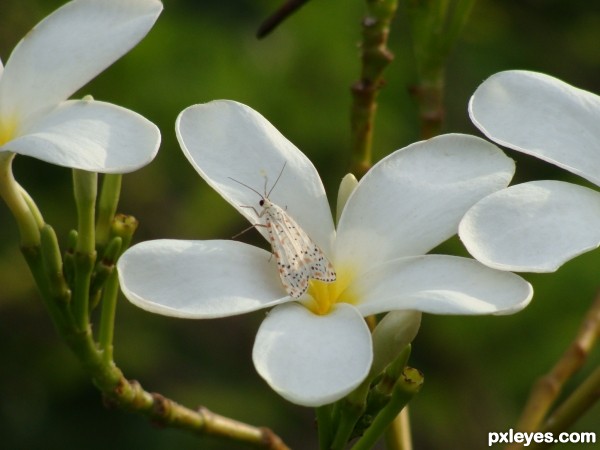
<point>435,27</point>
<point>85,190</point>
<point>19,204</point>
<point>107,207</point>
<point>375,57</point>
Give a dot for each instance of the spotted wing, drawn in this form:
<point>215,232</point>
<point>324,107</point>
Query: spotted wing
<point>299,259</point>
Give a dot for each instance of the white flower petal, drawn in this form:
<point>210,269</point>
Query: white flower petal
<point>440,284</point>
<point>413,200</point>
<point>541,116</point>
<point>225,140</point>
<point>90,135</point>
<point>69,48</point>
<point>313,360</point>
<point>199,279</point>
<point>533,227</point>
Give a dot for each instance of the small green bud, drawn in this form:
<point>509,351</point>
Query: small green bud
<point>104,267</point>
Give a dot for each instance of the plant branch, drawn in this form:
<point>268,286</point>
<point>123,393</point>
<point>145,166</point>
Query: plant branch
<point>435,28</point>
<point>375,57</point>
<point>547,388</point>
<point>282,13</point>
<point>116,389</point>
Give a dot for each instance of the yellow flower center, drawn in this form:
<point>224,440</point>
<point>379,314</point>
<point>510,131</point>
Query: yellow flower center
<point>323,296</point>
<point>8,128</point>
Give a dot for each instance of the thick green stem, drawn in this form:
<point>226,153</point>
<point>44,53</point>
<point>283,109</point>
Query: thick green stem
<point>56,306</point>
<point>107,321</point>
<point>429,95</point>
<point>130,396</point>
<point>375,58</point>
<point>325,426</point>
<point>85,189</point>
<point>109,379</point>
<point>12,194</point>
<point>350,410</point>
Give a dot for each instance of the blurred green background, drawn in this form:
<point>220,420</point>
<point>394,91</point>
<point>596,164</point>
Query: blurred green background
<point>477,369</point>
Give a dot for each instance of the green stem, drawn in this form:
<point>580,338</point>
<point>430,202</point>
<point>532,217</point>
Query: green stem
<point>12,193</point>
<point>107,207</point>
<point>130,396</point>
<point>325,426</point>
<point>85,189</point>
<point>85,186</point>
<point>375,58</point>
<point>37,215</point>
<point>107,320</point>
<point>350,410</point>
<point>435,28</point>
<point>108,378</point>
<point>409,383</point>
<point>429,94</point>
<point>57,307</point>
<point>122,230</point>
<point>53,267</point>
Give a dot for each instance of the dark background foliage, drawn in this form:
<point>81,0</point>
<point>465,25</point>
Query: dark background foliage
<point>477,369</point>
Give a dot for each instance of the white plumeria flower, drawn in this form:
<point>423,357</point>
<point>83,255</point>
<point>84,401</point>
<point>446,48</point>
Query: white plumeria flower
<point>316,349</point>
<point>57,57</point>
<point>539,225</point>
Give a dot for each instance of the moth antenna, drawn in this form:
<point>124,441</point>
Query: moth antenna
<point>245,185</point>
<point>276,181</point>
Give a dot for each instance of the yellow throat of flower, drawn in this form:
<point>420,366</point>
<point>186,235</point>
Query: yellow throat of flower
<point>8,128</point>
<point>323,296</point>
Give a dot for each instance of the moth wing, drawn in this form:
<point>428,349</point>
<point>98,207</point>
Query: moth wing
<point>299,259</point>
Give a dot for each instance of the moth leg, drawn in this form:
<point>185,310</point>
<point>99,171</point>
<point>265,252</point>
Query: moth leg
<point>248,229</point>
<point>253,209</point>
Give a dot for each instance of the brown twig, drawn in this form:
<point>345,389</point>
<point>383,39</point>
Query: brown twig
<point>282,13</point>
<point>546,389</point>
<point>375,57</point>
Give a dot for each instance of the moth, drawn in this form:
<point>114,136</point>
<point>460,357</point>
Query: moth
<point>298,258</point>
